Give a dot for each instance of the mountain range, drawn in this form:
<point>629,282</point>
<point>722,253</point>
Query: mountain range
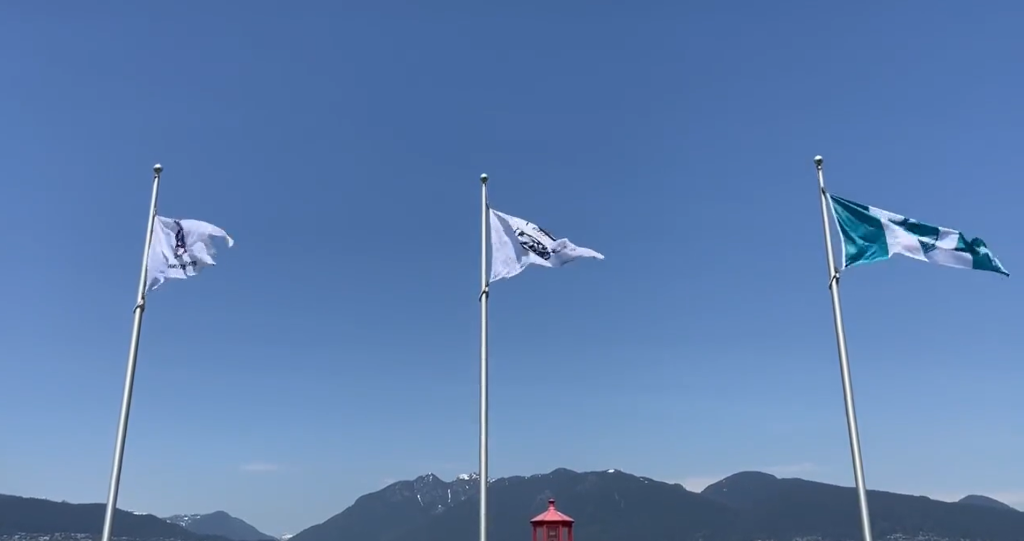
<point>220,523</point>
<point>607,506</point>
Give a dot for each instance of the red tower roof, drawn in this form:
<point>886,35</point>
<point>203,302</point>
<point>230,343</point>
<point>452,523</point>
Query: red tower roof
<point>552,516</point>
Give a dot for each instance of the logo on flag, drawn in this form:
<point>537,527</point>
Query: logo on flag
<point>927,235</point>
<point>535,245</point>
<point>180,248</point>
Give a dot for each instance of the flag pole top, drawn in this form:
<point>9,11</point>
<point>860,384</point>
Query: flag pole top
<point>818,160</point>
<point>158,169</point>
<point>483,179</point>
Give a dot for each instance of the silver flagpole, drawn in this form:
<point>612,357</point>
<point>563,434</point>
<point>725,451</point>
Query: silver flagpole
<point>129,380</point>
<point>484,295</point>
<point>844,362</point>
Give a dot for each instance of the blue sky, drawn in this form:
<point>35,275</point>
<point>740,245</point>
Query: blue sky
<point>335,346</point>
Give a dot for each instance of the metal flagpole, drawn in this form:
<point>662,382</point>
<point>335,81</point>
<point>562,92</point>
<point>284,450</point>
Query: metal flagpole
<point>844,362</point>
<point>484,295</point>
<point>129,380</point>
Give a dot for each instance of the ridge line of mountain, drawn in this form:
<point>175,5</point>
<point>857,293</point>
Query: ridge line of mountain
<point>974,499</point>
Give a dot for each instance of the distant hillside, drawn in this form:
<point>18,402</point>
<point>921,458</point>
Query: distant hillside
<point>975,499</point>
<point>220,523</point>
<point>392,510</point>
<point>780,507</point>
<point>38,516</point>
<point>616,506</point>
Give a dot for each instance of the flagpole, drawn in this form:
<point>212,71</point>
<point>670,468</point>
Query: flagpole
<point>129,380</point>
<point>844,362</point>
<point>484,295</point>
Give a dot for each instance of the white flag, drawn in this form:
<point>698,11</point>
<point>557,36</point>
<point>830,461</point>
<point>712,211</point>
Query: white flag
<point>517,243</point>
<point>180,248</point>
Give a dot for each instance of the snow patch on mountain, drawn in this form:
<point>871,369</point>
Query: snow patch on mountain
<point>182,520</point>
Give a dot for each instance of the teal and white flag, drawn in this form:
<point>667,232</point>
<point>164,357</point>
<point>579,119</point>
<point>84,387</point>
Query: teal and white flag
<point>872,234</point>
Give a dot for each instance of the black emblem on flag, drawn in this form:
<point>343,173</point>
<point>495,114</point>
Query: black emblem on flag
<point>180,248</point>
<point>534,244</point>
<point>927,235</point>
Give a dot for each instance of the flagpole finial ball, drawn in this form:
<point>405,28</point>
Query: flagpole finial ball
<point>483,179</point>
<point>158,169</point>
<point>818,160</point>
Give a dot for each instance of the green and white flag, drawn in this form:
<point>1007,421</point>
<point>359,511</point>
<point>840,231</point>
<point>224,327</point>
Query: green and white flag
<point>872,234</point>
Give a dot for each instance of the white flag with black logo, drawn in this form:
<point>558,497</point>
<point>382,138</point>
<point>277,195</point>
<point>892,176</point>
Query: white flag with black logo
<point>517,243</point>
<point>181,248</point>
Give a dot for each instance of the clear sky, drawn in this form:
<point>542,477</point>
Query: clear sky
<point>335,347</point>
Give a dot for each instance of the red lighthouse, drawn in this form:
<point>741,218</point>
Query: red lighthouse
<point>552,525</point>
